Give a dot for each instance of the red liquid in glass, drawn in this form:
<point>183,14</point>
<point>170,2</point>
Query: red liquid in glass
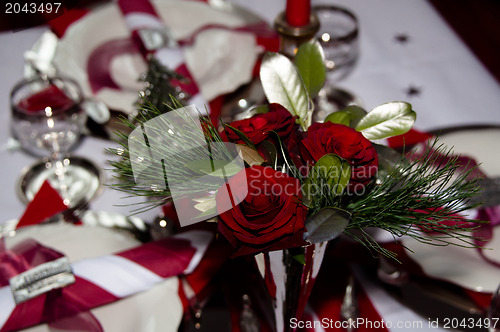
<point>52,97</point>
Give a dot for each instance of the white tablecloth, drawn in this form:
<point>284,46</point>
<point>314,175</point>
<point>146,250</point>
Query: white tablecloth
<point>450,88</point>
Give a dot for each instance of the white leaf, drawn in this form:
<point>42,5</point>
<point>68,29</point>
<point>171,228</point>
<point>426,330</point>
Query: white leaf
<point>390,119</point>
<point>283,84</point>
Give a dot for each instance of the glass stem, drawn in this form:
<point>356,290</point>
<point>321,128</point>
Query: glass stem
<point>59,166</point>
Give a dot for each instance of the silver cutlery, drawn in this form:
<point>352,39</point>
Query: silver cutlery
<point>349,310</point>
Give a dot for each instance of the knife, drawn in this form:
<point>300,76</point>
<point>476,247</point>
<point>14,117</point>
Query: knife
<point>431,298</point>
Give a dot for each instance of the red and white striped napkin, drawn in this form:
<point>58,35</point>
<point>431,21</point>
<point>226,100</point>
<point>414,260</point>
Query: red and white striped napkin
<point>99,280</point>
<point>140,16</point>
<point>216,54</point>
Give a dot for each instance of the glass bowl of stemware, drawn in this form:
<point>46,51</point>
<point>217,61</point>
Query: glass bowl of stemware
<point>339,36</point>
<point>47,120</point>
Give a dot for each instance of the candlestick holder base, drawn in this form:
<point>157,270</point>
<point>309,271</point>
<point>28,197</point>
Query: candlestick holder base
<point>291,37</point>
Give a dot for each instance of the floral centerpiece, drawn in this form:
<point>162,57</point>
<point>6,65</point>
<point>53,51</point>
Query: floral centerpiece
<point>298,184</point>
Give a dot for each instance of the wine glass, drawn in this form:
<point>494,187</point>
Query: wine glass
<point>47,120</point>
<point>338,35</point>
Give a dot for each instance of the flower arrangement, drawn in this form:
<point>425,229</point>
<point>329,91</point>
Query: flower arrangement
<point>301,183</point>
<point>280,187</point>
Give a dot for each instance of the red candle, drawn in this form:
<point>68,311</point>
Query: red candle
<point>298,12</point>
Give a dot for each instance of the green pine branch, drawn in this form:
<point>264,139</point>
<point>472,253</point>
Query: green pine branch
<point>159,91</point>
<point>425,194</point>
<point>153,184</point>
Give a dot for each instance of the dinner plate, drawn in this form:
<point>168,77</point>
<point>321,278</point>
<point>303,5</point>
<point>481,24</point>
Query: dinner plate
<point>219,59</point>
<point>464,266</point>
<point>157,309</point>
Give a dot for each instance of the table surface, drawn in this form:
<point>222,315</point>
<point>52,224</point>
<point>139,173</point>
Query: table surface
<point>408,52</point>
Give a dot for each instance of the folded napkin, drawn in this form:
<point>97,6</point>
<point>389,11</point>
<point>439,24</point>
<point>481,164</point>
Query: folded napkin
<point>46,203</point>
<point>140,16</point>
<point>217,49</point>
<point>55,308</point>
<point>60,24</point>
<point>99,280</point>
<point>104,279</point>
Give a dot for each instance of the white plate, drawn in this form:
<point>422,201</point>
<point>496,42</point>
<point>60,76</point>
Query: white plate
<point>464,266</point>
<point>480,143</point>
<point>220,60</point>
<point>157,309</point>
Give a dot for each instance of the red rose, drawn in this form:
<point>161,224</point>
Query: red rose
<point>270,217</point>
<point>256,128</point>
<point>328,137</point>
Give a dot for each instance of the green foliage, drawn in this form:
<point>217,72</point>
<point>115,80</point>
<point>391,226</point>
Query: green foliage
<point>283,84</point>
<point>189,134</point>
<point>310,62</point>
<point>424,194</point>
<point>326,182</point>
<point>349,116</point>
<point>326,224</point>
<point>340,117</point>
<point>386,120</point>
<point>159,91</point>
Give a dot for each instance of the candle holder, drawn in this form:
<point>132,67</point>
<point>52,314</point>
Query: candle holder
<point>291,37</point>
